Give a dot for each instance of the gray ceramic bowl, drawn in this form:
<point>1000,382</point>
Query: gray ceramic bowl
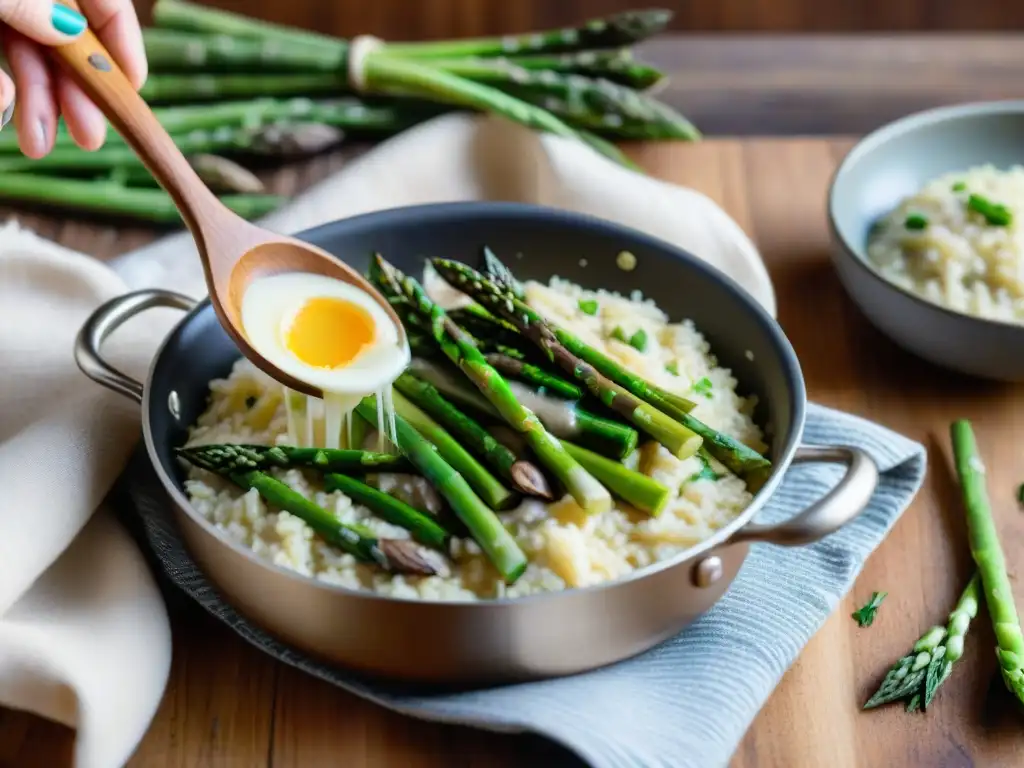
<point>892,163</point>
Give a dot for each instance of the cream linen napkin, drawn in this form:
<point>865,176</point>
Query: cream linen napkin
<point>84,637</point>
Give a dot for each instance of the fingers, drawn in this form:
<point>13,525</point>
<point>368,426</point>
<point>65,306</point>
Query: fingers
<point>115,23</point>
<point>36,116</point>
<point>86,124</point>
<point>42,20</point>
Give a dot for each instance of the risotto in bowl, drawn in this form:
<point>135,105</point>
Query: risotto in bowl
<point>926,218</point>
<point>514,516</point>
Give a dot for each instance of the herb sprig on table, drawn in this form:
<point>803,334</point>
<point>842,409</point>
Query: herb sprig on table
<point>865,616</point>
<point>313,90</point>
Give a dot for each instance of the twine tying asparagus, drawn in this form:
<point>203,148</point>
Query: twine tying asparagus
<point>360,48</point>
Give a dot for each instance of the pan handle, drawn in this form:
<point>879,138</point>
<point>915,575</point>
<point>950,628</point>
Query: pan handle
<point>830,513</point>
<point>107,319</point>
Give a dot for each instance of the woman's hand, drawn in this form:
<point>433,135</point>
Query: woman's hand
<point>43,90</point>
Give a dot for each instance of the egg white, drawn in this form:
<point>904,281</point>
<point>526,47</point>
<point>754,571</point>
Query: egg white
<point>270,304</point>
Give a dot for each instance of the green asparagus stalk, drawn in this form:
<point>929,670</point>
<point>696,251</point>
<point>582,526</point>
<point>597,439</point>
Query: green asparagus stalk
<point>481,521</point>
<point>599,105</point>
<point>218,173</point>
<point>988,555</point>
<point>611,32</point>
<point>167,89</point>
<point>487,486</point>
<point>423,528</point>
<point>615,65</point>
<point>964,612</point>
<point>394,555</point>
<point>562,418</point>
<point>524,475</point>
<point>502,276</point>
<point>738,458</point>
<point>191,17</point>
<point>172,50</point>
<point>584,488</point>
<point>354,116</point>
<point>227,458</point>
<point>546,383</point>
<point>636,489</point>
<point>681,440</point>
<point>104,197</point>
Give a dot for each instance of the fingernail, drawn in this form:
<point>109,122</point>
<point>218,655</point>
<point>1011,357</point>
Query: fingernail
<point>67,21</point>
<point>8,112</point>
<point>40,134</point>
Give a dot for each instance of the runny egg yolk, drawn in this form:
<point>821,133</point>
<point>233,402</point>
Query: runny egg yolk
<point>328,332</point>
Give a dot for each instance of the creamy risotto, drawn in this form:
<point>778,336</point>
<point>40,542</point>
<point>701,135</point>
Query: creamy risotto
<point>958,243</point>
<point>565,547</point>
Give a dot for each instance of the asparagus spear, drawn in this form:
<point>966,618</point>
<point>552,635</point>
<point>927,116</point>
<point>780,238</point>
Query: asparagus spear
<point>394,555</point>
<point>170,50</point>
<point>616,65</point>
<point>917,676</point>
<point>610,32</point>
<point>423,528</point>
<point>524,475</point>
<point>681,440</point>
<point>545,382</point>
<point>352,115</point>
<point>483,524</point>
<point>487,486</point>
<point>737,457</point>
<point>988,556</point>
<point>104,197</point>
<point>227,458</point>
<point>170,88</point>
<point>176,14</point>
<point>219,173</point>
<point>587,491</point>
<point>562,418</point>
<point>502,276</point>
<point>636,489</point>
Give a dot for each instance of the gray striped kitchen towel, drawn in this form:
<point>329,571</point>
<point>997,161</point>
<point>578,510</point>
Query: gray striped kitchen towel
<point>684,704</point>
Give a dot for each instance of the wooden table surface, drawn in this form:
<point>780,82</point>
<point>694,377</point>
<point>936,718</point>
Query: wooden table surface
<point>227,705</point>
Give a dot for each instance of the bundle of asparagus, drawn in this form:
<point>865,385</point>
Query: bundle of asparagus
<point>234,87</point>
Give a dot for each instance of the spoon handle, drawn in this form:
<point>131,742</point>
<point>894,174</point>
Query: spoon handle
<point>95,70</point>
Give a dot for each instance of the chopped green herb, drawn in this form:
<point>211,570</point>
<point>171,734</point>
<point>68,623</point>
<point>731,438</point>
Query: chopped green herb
<point>915,221</point>
<point>620,334</point>
<point>996,214</point>
<point>250,401</point>
<point>706,472</point>
<point>638,340</point>
<point>960,186</point>
<point>703,387</point>
<point>588,306</point>
<point>866,615</point>
<point>673,367</point>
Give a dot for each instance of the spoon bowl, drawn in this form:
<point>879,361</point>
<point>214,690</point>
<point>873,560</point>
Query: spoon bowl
<point>234,251</point>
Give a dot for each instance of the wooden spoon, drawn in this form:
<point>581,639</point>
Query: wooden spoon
<point>234,252</point>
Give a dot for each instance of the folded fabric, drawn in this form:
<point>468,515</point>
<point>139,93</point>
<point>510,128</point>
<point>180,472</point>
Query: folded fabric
<point>686,703</point>
<point>76,599</point>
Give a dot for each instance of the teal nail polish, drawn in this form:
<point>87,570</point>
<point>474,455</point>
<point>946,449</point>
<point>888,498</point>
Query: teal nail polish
<point>67,21</point>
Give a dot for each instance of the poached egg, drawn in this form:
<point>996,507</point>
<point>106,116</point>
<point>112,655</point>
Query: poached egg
<point>329,334</point>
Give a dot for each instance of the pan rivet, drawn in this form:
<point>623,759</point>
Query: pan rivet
<point>174,405</point>
<point>708,571</point>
